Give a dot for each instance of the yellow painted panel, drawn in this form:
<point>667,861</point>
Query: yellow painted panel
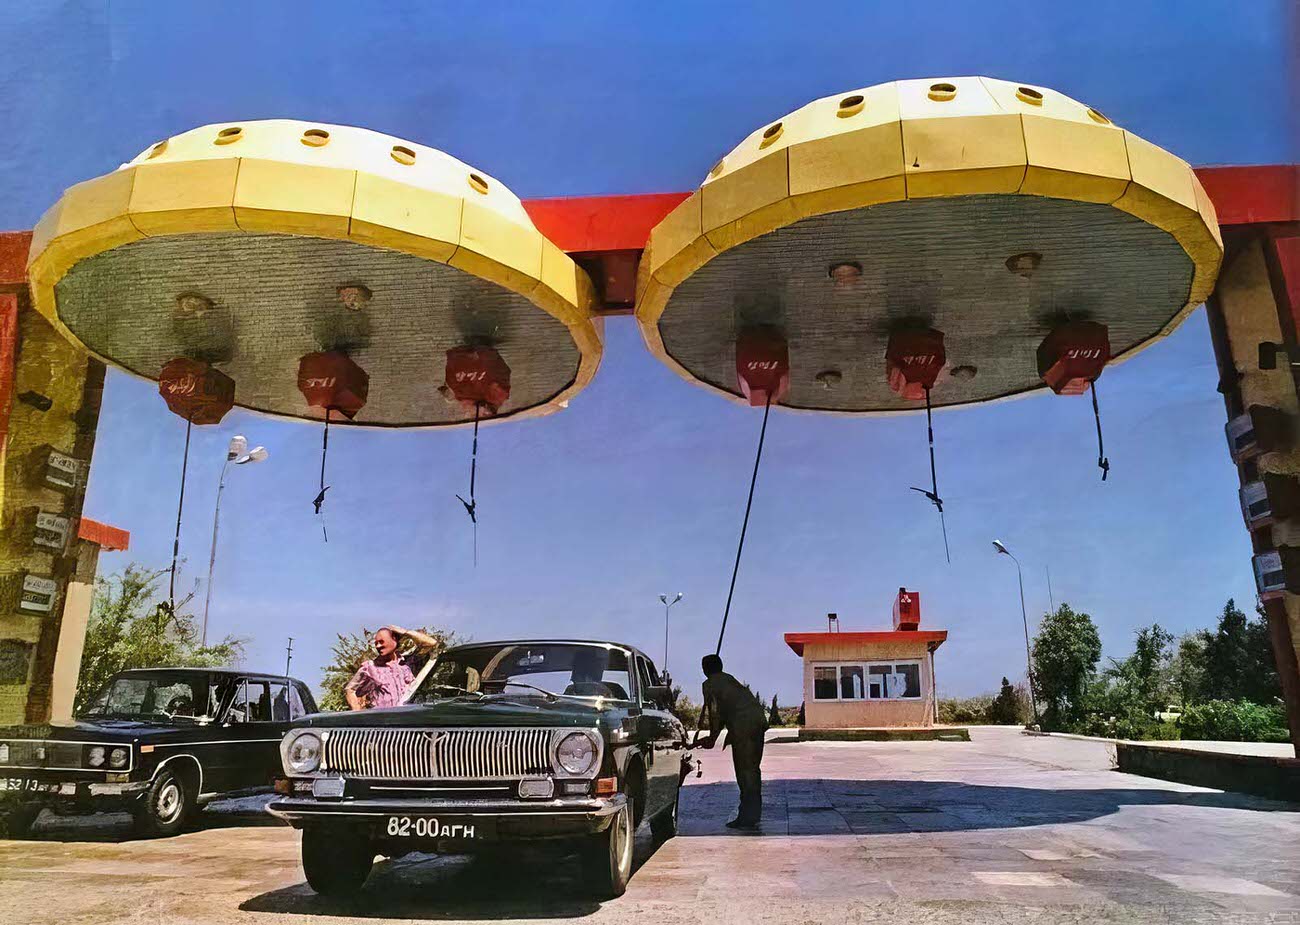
<point>1074,160</point>
<point>565,285</point>
<point>1159,171</point>
<point>416,221</point>
<point>1007,95</point>
<point>971,99</point>
<point>1206,208</point>
<point>677,244</point>
<point>93,202</point>
<point>847,158</point>
<point>963,155</point>
<point>44,232</point>
<point>90,218</point>
<point>736,194</point>
<point>854,196</point>
<point>279,197</point>
<point>758,222</point>
<point>185,196</point>
<point>497,249</point>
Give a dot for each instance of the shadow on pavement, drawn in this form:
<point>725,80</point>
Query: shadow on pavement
<point>119,827</point>
<point>819,806</point>
<point>517,883</point>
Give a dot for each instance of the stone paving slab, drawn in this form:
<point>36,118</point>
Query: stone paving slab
<point>1005,828</point>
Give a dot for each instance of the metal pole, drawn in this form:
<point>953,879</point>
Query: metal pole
<point>666,606</point>
<point>1029,661</point>
<point>212,554</point>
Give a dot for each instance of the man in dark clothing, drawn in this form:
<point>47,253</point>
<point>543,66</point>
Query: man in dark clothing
<point>732,707</point>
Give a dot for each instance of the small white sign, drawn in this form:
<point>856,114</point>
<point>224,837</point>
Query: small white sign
<point>38,594</point>
<point>51,531</point>
<point>62,470</point>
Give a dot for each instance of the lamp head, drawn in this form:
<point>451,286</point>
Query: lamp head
<point>663,598</point>
<point>997,544</point>
<point>255,455</point>
<point>238,447</point>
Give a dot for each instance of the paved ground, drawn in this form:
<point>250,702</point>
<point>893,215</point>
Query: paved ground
<point>1004,828</point>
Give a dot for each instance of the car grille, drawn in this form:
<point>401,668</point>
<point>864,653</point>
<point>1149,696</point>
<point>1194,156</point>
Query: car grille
<point>438,754</point>
<point>27,753</point>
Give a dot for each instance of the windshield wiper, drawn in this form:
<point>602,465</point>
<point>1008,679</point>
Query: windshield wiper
<point>549,695</point>
<point>453,687</point>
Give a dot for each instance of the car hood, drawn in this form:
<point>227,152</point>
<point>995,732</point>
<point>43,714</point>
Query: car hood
<point>100,730</point>
<point>470,711</point>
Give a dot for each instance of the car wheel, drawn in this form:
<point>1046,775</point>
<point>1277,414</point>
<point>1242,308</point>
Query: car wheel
<point>336,860</point>
<point>664,825</point>
<point>607,860</point>
<point>165,806</point>
<point>18,821</point>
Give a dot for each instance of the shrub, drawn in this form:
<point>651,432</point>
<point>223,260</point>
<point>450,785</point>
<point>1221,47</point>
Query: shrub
<point>955,712</point>
<point>1235,721</point>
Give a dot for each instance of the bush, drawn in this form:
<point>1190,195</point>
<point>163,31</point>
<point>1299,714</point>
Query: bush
<point>1235,721</point>
<point>956,712</point>
<point>1010,707</point>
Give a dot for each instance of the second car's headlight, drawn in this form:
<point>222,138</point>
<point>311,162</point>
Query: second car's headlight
<point>117,757</point>
<point>576,753</point>
<point>95,757</point>
<point>303,755</point>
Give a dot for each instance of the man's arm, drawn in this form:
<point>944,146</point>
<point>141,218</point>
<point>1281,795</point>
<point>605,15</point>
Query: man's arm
<point>423,641</point>
<point>350,691</point>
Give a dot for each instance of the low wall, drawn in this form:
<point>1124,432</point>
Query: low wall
<point>1260,775</point>
<point>896,734</point>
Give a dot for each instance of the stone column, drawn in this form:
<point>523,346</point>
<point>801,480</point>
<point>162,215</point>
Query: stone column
<point>1257,301</point>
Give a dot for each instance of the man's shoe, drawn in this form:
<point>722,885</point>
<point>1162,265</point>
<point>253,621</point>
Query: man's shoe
<point>742,824</point>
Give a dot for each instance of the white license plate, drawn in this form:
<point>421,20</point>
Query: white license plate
<point>426,827</point>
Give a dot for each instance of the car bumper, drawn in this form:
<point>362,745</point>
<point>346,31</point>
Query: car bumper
<point>73,796</point>
<point>489,820</point>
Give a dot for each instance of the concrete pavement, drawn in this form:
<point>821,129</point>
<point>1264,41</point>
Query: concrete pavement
<point>1005,828</point>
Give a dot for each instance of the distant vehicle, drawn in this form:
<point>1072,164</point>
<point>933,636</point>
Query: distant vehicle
<point>1171,713</point>
<point>155,742</point>
<point>503,742</point>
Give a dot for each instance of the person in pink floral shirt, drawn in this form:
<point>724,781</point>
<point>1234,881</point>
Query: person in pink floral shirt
<point>382,680</point>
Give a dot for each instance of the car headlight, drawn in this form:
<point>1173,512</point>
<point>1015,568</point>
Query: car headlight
<point>95,757</point>
<point>303,755</point>
<point>576,753</point>
<point>4,753</point>
<point>117,757</point>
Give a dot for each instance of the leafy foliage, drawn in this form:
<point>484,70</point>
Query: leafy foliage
<point>963,711</point>
<point>130,628</point>
<point>1065,655</point>
<point>685,709</point>
<point>348,653</point>
<point>1235,721</point>
<point>1238,660</point>
<point>1009,706</point>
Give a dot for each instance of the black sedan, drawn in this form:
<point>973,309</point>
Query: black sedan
<point>569,743</point>
<point>157,743</point>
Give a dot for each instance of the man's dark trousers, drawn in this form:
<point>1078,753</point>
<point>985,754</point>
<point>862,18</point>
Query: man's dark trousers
<point>746,756</point>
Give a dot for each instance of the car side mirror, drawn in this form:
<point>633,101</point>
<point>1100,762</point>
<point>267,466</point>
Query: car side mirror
<point>659,694</point>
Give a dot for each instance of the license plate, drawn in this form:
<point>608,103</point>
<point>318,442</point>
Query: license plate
<point>427,827</point>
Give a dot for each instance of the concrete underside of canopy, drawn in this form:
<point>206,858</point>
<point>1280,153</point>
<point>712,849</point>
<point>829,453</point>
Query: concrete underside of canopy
<point>940,263</point>
<point>275,297</point>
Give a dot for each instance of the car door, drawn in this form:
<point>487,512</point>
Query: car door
<point>665,742</point>
<point>255,721</point>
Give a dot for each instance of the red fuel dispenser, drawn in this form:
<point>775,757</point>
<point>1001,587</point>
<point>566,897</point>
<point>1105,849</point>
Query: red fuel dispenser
<point>907,610</point>
<point>331,381</point>
<point>913,360</point>
<point>762,366</point>
<point>1070,360</point>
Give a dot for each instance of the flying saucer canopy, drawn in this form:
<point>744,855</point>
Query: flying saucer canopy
<point>249,245</point>
<point>990,211</point>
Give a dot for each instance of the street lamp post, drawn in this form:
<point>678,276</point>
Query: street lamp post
<point>239,454</point>
<point>663,599</point>
<point>1029,661</point>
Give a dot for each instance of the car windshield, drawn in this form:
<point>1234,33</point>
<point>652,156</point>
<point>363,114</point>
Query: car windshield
<point>154,695</point>
<point>565,669</point>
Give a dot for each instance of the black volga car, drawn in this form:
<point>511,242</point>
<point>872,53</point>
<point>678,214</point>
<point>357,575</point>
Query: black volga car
<point>157,743</point>
<point>500,742</point>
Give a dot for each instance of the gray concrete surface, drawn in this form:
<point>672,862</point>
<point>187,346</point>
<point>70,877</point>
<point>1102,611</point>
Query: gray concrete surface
<point>1005,828</point>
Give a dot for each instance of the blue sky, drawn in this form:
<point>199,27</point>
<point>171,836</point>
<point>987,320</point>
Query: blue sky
<point>638,488</point>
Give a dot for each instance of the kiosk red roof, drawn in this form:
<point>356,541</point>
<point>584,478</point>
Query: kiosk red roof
<point>797,641</point>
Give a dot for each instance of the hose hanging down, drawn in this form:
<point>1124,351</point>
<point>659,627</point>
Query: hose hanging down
<point>319,500</point>
<point>1102,462</point>
<point>749,503</point>
<point>180,506</point>
<point>471,506</point>
<point>933,493</point>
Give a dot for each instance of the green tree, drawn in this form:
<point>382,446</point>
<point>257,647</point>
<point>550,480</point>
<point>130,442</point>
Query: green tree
<point>1065,655</point>
<point>1187,667</point>
<point>1009,707</point>
<point>348,653</point>
<point>1239,662</point>
<point>1127,697</point>
<point>774,714</point>
<point>130,627</point>
<point>684,709</point>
